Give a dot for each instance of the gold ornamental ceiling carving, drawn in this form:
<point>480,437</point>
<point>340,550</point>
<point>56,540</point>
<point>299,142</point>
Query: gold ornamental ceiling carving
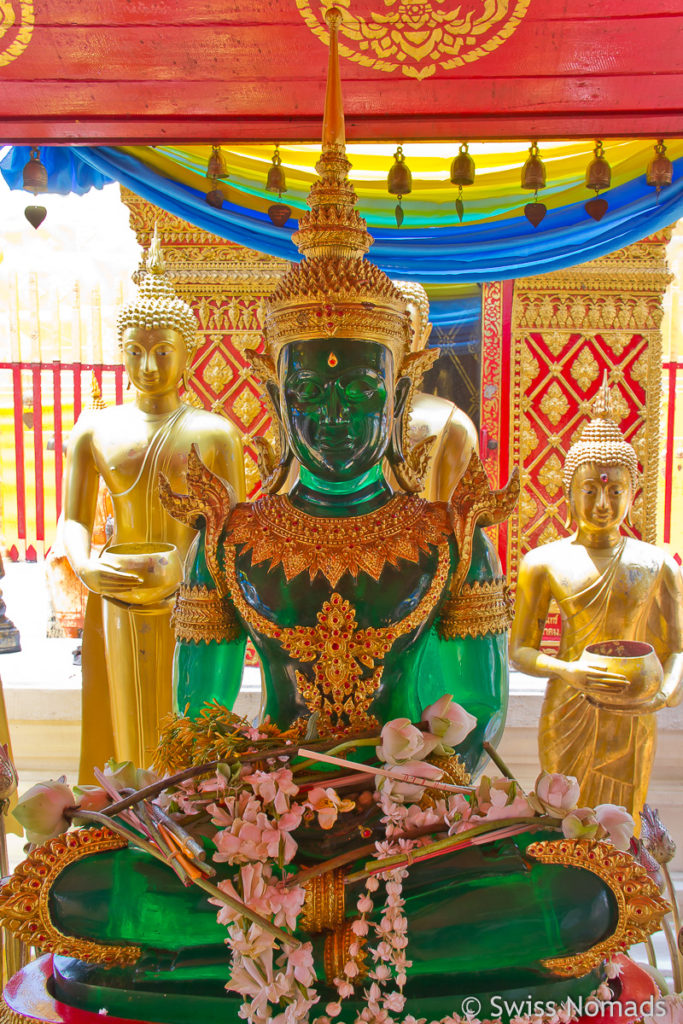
<point>417,37</point>
<point>16,28</point>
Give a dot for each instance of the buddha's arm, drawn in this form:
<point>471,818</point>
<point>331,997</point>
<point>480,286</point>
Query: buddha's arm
<point>458,441</point>
<point>671,610</point>
<point>467,654</point>
<point>210,642</point>
<point>81,485</point>
<point>221,451</point>
<point>531,610</point>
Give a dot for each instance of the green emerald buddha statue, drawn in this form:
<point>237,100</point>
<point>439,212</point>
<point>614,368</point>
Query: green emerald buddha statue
<point>365,605</point>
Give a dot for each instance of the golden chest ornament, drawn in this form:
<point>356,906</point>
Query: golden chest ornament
<point>348,662</point>
<point>273,530</point>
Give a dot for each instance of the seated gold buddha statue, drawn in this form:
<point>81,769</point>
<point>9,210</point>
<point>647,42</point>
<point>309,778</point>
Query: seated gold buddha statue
<point>596,723</point>
<point>453,432</point>
<point>139,570</point>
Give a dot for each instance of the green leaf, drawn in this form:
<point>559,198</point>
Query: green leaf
<point>398,213</point>
<point>459,209</point>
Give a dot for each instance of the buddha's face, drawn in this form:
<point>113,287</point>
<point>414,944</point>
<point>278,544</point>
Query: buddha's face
<point>154,358</point>
<point>600,496</point>
<point>337,399</point>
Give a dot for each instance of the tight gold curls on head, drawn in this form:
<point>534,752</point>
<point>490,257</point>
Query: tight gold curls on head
<point>156,303</point>
<point>335,291</point>
<point>601,442</point>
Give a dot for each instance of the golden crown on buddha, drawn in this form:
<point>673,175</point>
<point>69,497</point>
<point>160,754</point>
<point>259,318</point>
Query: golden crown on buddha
<point>334,291</point>
<point>601,442</point>
<point>156,304</point>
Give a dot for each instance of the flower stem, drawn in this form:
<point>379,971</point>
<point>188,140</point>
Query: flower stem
<point>675,956</point>
<point>499,762</point>
<point>675,914</point>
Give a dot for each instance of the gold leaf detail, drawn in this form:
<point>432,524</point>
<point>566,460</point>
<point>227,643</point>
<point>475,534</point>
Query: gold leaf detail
<point>247,406</point>
<point>585,369</point>
<point>550,474</point>
<point>274,530</point>
<point>479,608</point>
<point>25,898</point>
<point>201,614</point>
<point>640,907</point>
<point>554,403</point>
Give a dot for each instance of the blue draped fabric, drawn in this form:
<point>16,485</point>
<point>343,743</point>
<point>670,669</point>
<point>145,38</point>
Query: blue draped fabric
<point>66,172</point>
<point>497,250</point>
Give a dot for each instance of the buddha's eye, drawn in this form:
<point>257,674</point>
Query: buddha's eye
<point>133,350</point>
<point>305,391</point>
<point>359,389</point>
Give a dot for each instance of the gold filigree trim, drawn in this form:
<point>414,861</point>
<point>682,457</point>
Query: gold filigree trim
<point>201,614</point>
<point>272,529</point>
<point>207,498</point>
<point>25,899</point>
<point>341,690</point>
<point>325,903</point>
<point>475,502</point>
<point>479,608</point>
<point>337,953</point>
<point>640,908</point>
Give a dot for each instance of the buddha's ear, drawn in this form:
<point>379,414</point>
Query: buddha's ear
<point>402,393</point>
<point>273,459</point>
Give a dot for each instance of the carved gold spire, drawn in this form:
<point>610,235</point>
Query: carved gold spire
<point>601,441</point>
<point>156,303</point>
<point>335,291</point>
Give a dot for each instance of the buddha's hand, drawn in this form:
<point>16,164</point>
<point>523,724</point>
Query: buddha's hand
<point>106,580</point>
<point>592,682</point>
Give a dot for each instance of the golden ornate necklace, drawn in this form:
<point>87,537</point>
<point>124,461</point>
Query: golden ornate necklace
<point>348,662</point>
<point>274,530</point>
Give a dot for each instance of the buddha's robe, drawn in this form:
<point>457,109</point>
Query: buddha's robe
<point>636,596</point>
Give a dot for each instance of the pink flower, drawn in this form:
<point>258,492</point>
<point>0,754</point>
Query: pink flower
<point>618,824</point>
<point>394,1002</point>
<point>273,787</point>
<point>557,792</point>
<point>408,792</point>
<point>580,824</point>
<point>500,799</point>
<point>300,961</point>
<point>41,810</point>
<point>345,989</point>
<point>448,721</point>
<point>327,805</point>
<point>285,903</point>
<point>333,1009</point>
<point>91,798</point>
<point>402,741</point>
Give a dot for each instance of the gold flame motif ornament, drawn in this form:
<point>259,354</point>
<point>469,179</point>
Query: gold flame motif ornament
<point>418,37</point>
<point>16,28</point>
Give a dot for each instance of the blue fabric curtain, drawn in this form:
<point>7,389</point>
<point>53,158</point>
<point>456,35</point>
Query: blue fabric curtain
<point>466,253</point>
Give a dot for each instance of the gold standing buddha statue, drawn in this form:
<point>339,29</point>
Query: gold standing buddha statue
<point>616,596</point>
<point>138,572</point>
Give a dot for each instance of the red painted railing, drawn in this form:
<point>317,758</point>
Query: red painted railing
<point>55,392</point>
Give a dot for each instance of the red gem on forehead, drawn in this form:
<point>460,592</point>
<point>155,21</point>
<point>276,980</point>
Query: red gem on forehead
<point>603,478</point>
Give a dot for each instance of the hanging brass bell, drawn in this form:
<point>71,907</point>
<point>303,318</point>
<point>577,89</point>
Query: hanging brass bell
<point>400,180</point>
<point>35,173</point>
<point>598,172</point>
<point>276,181</point>
<point>533,172</point>
<point>660,170</point>
<point>215,197</point>
<point>462,167</point>
<point>217,167</point>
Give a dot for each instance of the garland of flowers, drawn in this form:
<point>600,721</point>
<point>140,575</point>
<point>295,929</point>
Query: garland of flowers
<point>260,795</point>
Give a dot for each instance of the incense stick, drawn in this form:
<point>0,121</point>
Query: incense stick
<point>386,773</point>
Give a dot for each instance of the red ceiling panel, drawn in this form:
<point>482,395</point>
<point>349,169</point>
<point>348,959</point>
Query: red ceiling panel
<point>205,70</point>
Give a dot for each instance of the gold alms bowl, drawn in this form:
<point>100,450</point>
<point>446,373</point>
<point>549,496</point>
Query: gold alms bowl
<point>631,658</point>
<point>157,564</point>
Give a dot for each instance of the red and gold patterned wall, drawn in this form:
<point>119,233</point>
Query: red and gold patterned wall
<point>226,285</point>
<point>548,341</point>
